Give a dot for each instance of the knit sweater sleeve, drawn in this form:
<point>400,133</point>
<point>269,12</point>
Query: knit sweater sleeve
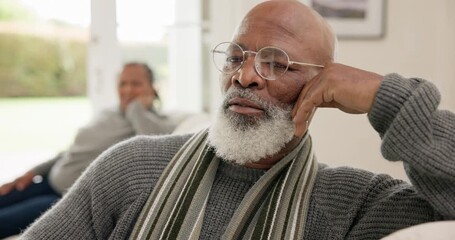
<point>414,131</point>
<point>106,200</point>
<point>71,217</point>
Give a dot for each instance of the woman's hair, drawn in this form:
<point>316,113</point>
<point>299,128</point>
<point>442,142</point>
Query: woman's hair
<point>151,76</point>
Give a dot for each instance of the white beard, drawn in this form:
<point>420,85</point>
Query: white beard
<point>245,139</point>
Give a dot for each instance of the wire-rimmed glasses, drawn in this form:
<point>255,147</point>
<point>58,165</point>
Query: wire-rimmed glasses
<point>269,62</point>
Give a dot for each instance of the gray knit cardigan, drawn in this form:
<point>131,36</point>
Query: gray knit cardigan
<point>346,203</point>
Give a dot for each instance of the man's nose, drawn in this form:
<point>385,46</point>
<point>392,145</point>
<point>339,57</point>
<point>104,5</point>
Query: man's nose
<point>247,77</point>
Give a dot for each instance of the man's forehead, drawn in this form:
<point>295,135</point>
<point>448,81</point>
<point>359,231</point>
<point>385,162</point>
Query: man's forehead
<point>264,27</point>
<point>254,35</point>
<point>289,18</point>
<point>289,25</point>
<point>263,30</point>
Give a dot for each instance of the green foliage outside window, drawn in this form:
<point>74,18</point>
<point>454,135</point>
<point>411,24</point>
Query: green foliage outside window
<point>35,66</point>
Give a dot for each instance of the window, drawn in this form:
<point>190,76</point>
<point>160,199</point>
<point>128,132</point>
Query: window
<point>43,52</point>
<point>143,35</point>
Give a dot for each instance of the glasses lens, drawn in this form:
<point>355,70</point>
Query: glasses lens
<point>227,57</point>
<point>271,63</point>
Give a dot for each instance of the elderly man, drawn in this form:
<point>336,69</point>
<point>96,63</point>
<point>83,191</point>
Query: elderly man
<point>22,201</point>
<point>252,174</point>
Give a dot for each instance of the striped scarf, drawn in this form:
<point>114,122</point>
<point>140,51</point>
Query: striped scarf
<point>274,208</point>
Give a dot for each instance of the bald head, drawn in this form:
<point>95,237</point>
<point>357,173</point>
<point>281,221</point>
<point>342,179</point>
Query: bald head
<point>294,20</point>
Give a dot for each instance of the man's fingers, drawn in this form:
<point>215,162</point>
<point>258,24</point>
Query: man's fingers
<point>301,129</point>
<point>311,98</point>
<point>305,93</point>
<point>302,118</point>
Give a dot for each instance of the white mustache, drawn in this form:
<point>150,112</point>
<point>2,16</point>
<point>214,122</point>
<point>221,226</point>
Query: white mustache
<point>267,106</point>
<point>245,93</point>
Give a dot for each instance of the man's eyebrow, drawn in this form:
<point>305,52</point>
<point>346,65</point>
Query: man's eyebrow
<point>241,45</point>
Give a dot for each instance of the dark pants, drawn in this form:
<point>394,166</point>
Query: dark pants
<point>19,209</point>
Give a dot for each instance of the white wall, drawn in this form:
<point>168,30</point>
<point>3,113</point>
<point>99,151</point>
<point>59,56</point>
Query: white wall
<point>419,41</point>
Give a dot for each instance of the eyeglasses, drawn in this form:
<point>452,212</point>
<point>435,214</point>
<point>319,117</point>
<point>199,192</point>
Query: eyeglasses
<point>269,62</point>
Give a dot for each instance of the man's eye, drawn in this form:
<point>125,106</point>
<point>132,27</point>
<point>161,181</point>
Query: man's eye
<point>277,65</point>
<point>234,59</point>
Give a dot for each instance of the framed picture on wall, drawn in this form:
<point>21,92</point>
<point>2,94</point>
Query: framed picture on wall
<point>352,18</point>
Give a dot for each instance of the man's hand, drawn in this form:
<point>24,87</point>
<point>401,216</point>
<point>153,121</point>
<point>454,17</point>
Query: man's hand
<point>19,184</point>
<point>339,86</point>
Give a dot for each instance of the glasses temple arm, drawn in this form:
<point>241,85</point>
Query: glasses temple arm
<point>306,64</point>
